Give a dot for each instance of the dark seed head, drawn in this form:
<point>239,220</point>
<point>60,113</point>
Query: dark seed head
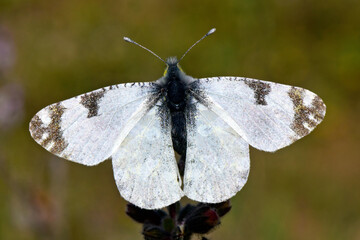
<point>202,220</point>
<point>145,216</point>
<point>152,232</point>
<point>222,208</point>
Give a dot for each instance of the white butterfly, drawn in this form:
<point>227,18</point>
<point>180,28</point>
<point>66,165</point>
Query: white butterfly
<point>209,121</point>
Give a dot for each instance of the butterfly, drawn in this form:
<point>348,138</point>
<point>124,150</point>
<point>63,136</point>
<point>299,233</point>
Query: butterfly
<point>209,122</point>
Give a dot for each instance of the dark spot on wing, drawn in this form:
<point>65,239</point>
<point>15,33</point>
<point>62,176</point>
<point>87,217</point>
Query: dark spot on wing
<point>195,96</point>
<point>36,128</point>
<point>153,101</point>
<point>91,102</point>
<point>303,113</point>
<point>53,130</point>
<point>190,114</point>
<point>163,113</point>
<point>261,89</point>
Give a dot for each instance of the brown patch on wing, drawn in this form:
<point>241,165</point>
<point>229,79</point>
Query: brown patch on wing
<point>303,113</point>
<point>91,101</point>
<point>36,128</point>
<point>261,89</point>
<point>53,130</point>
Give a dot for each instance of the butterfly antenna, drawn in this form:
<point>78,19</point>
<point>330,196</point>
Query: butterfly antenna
<point>132,41</point>
<point>207,34</point>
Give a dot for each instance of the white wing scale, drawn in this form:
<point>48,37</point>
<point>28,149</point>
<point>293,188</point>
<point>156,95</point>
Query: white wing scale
<point>120,122</point>
<point>267,115</point>
<point>86,129</point>
<point>217,159</point>
<point>144,165</point>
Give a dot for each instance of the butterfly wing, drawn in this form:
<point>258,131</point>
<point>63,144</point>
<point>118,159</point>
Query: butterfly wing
<point>86,129</point>
<point>217,157</point>
<point>144,165</point>
<point>267,115</point>
<point>123,123</point>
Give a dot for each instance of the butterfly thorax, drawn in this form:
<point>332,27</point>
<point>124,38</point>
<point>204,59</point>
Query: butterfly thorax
<point>175,88</point>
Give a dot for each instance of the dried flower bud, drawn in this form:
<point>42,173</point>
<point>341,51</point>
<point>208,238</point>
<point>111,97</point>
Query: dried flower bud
<point>179,222</point>
<point>173,209</point>
<point>152,232</point>
<point>145,216</point>
<point>202,220</point>
<point>184,212</point>
<point>168,224</point>
<point>222,208</point>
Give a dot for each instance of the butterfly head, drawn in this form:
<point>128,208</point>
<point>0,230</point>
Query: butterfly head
<point>172,67</point>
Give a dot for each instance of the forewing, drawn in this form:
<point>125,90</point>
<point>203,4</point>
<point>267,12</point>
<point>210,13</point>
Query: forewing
<point>86,129</point>
<point>217,158</point>
<point>268,115</point>
<point>144,165</point>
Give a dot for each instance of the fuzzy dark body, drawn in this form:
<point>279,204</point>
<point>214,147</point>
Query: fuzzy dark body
<point>176,101</point>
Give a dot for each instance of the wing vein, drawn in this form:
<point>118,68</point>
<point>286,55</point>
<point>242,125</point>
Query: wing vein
<point>198,96</point>
<point>137,170</point>
<point>267,116</point>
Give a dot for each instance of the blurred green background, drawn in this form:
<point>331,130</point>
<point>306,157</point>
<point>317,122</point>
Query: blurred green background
<point>54,50</point>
